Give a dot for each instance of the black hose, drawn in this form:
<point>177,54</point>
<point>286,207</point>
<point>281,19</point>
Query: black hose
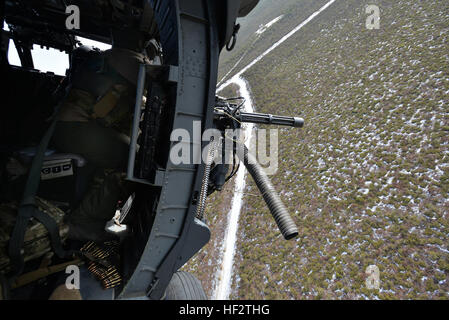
<point>280,214</point>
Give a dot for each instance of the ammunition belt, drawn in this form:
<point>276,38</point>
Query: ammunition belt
<point>102,263</point>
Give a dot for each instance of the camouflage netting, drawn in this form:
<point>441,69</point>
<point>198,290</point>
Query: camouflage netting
<point>37,241</point>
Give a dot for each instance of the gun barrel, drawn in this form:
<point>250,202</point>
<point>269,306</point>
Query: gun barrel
<point>265,118</point>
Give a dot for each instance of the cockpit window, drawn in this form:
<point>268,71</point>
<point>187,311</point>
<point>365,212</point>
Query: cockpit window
<point>13,56</point>
<point>93,43</point>
<point>56,61</point>
<point>45,60</point>
<point>50,60</point>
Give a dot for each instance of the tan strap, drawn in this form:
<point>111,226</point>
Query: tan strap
<point>42,273</point>
<point>108,101</point>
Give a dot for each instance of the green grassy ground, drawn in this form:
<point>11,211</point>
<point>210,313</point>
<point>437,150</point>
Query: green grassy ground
<point>249,45</point>
<point>367,178</point>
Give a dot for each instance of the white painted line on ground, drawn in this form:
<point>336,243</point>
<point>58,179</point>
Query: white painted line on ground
<point>278,43</point>
<point>223,288</point>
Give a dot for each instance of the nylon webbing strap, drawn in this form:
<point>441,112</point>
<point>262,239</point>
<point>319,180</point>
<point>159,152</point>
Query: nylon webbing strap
<point>32,184</point>
<point>53,232</point>
<point>17,238</point>
<point>28,209</point>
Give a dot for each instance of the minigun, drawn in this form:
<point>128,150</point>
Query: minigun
<point>228,115</point>
<point>265,118</point>
<point>224,111</point>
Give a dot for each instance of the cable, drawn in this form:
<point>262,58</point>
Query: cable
<point>278,210</point>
